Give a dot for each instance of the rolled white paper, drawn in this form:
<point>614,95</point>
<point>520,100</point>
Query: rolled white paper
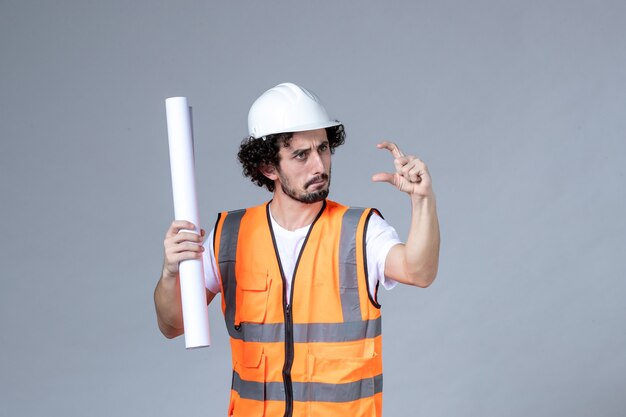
<point>192,288</point>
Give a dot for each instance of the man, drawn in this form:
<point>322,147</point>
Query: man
<point>299,275</point>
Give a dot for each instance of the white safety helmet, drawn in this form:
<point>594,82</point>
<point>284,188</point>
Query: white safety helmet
<point>287,108</point>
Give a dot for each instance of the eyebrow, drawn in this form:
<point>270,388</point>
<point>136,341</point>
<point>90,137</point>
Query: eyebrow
<point>304,150</point>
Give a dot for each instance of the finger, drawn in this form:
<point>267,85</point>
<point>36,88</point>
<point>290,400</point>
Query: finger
<point>173,249</point>
<point>184,247</point>
<point>178,225</point>
<point>173,260</point>
<point>183,224</point>
<point>400,163</point>
<point>415,175</point>
<point>405,171</point>
<point>178,253</point>
<point>411,164</point>
<point>185,237</point>
<point>422,168</point>
<point>391,147</point>
<point>383,177</point>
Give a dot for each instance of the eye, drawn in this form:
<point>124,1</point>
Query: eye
<point>323,147</point>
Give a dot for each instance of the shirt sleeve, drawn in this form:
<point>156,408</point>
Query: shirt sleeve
<point>379,239</point>
<point>211,277</point>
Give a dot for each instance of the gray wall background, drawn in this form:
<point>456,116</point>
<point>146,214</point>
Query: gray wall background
<point>518,107</point>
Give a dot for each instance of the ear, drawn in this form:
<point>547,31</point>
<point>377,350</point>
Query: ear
<point>269,171</point>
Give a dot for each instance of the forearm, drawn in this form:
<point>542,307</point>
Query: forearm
<point>421,252</point>
<point>417,261</point>
<point>168,306</point>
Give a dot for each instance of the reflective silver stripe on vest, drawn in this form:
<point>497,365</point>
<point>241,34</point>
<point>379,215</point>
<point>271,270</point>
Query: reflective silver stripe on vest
<point>308,332</point>
<point>226,262</point>
<point>308,391</point>
<point>348,282</point>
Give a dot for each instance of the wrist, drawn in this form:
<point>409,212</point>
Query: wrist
<point>423,199</point>
<point>169,277</point>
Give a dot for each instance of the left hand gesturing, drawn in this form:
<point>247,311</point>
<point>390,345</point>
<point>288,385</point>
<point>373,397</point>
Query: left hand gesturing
<point>411,174</point>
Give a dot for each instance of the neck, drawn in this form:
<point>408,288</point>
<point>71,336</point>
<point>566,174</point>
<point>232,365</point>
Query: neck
<point>291,214</point>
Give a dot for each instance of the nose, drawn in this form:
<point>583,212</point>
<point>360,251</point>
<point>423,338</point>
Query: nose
<point>317,165</point>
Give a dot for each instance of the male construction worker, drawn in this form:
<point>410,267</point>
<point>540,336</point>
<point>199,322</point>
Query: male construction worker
<point>299,274</point>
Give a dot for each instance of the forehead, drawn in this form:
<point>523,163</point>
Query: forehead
<point>308,138</point>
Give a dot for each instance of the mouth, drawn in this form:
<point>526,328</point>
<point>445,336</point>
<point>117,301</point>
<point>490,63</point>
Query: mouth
<point>318,180</point>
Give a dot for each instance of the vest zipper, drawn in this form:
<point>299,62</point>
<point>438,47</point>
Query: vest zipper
<point>288,361</point>
<point>288,317</point>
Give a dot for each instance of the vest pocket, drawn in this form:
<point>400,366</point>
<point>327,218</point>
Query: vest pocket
<point>342,386</point>
<point>252,296</point>
<point>249,382</point>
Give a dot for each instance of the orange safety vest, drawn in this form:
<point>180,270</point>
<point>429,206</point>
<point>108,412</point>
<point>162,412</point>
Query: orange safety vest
<point>320,355</point>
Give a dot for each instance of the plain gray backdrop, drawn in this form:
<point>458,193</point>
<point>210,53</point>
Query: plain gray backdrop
<point>517,107</point>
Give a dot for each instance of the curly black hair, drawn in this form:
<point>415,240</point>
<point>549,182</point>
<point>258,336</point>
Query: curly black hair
<point>256,153</point>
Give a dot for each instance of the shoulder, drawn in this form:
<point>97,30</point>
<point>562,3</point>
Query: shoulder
<point>371,217</point>
<point>379,233</point>
<point>228,223</point>
<point>262,206</point>
<point>239,213</point>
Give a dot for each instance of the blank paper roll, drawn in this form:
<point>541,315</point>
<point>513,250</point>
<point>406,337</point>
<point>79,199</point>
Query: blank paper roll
<point>192,288</point>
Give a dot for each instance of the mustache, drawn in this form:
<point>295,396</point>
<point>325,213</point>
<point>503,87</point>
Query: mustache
<point>317,178</point>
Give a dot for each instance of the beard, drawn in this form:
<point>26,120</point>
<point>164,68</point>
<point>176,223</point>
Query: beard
<point>304,196</point>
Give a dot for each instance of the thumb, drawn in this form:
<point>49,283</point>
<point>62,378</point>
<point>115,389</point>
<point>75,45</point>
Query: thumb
<point>383,177</point>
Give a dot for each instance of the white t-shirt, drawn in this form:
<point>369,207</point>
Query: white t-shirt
<point>379,239</point>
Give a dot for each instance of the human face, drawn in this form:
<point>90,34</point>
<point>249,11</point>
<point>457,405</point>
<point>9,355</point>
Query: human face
<point>304,167</point>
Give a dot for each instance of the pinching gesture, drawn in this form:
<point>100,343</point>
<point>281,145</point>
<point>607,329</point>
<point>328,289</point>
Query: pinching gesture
<point>411,174</point>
